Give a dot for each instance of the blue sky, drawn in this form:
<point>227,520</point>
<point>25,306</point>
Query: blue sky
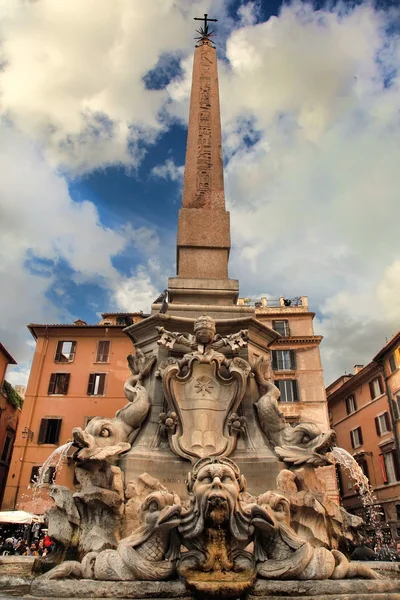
<point>93,130</point>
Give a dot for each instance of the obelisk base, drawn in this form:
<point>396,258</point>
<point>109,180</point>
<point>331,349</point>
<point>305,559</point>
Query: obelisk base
<point>192,297</point>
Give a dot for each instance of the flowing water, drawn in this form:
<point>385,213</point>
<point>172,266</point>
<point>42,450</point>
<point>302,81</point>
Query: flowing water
<point>54,460</point>
<point>368,498</point>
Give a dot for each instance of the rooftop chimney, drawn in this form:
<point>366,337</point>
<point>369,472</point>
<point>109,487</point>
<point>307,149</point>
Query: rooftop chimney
<point>358,368</point>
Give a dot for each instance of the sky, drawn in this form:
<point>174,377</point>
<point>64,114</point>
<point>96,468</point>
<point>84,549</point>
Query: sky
<point>94,102</point>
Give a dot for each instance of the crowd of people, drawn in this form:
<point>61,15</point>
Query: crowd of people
<point>14,546</point>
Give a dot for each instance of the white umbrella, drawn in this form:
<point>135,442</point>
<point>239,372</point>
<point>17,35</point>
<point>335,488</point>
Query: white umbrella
<point>19,516</point>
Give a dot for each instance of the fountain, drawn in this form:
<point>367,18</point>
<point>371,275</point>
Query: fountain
<point>368,498</point>
<point>218,538</point>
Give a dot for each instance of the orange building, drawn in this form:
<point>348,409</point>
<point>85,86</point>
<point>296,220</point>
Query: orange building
<point>365,413</point>
<point>296,365</point>
<point>78,372</point>
<point>10,408</point>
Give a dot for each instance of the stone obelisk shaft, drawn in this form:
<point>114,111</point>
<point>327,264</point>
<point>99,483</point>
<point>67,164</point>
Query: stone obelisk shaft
<point>203,242</point>
<point>203,226</point>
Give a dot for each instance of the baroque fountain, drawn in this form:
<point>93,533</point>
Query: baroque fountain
<point>217,538</point>
<point>198,485</point>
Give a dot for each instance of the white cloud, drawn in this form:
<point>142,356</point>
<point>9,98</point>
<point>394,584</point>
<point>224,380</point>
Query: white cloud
<point>40,220</point>
<point>168,170</point>
<point>313,201</point>
<point>73,74</point>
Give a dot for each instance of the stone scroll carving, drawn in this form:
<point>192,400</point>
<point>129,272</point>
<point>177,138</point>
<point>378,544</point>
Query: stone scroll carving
<point>203,391</point>
<point>303,443</point>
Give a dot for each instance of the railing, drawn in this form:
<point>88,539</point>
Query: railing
<point>274,302</point>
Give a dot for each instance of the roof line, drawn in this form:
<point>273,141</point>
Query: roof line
<point>11,359</point>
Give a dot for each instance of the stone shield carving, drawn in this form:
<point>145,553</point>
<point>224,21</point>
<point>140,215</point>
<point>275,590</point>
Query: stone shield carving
<point>203,398</point>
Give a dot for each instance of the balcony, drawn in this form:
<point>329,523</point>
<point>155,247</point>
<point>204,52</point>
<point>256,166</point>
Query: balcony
<point>281,304</point>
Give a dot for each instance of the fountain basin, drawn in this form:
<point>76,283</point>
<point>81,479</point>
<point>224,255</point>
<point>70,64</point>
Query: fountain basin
<point>356,589</point>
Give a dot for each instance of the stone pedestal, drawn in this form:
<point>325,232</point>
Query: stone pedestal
<point>151,452</point>
<point>351,589</point>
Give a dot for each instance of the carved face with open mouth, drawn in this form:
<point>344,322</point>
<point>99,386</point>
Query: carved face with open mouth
<point>101,433</point>
<point>306,443</point>
<point>216,490</point>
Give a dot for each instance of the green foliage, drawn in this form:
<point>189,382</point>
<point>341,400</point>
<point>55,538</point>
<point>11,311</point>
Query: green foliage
<point>12,395</point>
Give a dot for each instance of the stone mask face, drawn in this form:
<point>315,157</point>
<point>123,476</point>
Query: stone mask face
<point>216,485</point>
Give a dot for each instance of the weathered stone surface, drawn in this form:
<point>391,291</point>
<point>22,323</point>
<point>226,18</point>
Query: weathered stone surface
<point>11,566</point>
<point>321,589</point>
<point>87,588</point>
<point>355,589</point>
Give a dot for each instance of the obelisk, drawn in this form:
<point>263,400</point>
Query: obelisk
<point>203,241</point>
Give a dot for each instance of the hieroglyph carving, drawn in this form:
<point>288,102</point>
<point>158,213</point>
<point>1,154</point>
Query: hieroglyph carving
<point>202,390</point>
<point>203,176</point>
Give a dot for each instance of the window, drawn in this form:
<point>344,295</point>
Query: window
<point>397,406</point>
<point>281,327</point>
<point>288,390</point>
<point>49,431</point>
<point>283,360</point>
<point>356,437</point>
<point>96,384</point>
<point>65,351</point>
<point>376,387</point>
<point>390,467</point>
<point>383,424</point>
<point>7,448</point>
<point>103,351</point>
<point>49,476</point>
<point>126,320</point>
<point>392,363</point>
<point>364,468</point>
<point>398,512</point>
<point>59,383</point>
<point>350,405</point>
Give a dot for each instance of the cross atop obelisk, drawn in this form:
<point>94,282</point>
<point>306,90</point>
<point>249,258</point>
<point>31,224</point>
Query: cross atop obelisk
<point>203,244</point>
<point>202,284</point>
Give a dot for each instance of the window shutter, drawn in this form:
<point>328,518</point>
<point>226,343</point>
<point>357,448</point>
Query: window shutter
<point>371,390</point>
<point>73,350</point>
<point>102,380</point>
<point>348,405</point>
<point>65,384</point>
<point>274,360</point>
<point>293,360</point>
<point>377,427</point>
<point>43,431</point>
<point>295,391</point>
<point>58,352</point>
<point>360,434</point>
<point>90,388</point>
<point>352,439</point>
<point>380,385</point>
<point>383,468</point>
<point>52,383</point>
<point>387,421</point>
<point>57,431</point>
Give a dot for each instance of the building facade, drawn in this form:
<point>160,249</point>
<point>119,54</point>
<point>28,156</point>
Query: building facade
<point>10,409</point>
<point>364,410</point>
<point>78,371</point>
<point>296,365</point>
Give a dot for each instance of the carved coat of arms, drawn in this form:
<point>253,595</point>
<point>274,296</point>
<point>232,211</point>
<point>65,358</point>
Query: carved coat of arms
<point>202,391</point>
